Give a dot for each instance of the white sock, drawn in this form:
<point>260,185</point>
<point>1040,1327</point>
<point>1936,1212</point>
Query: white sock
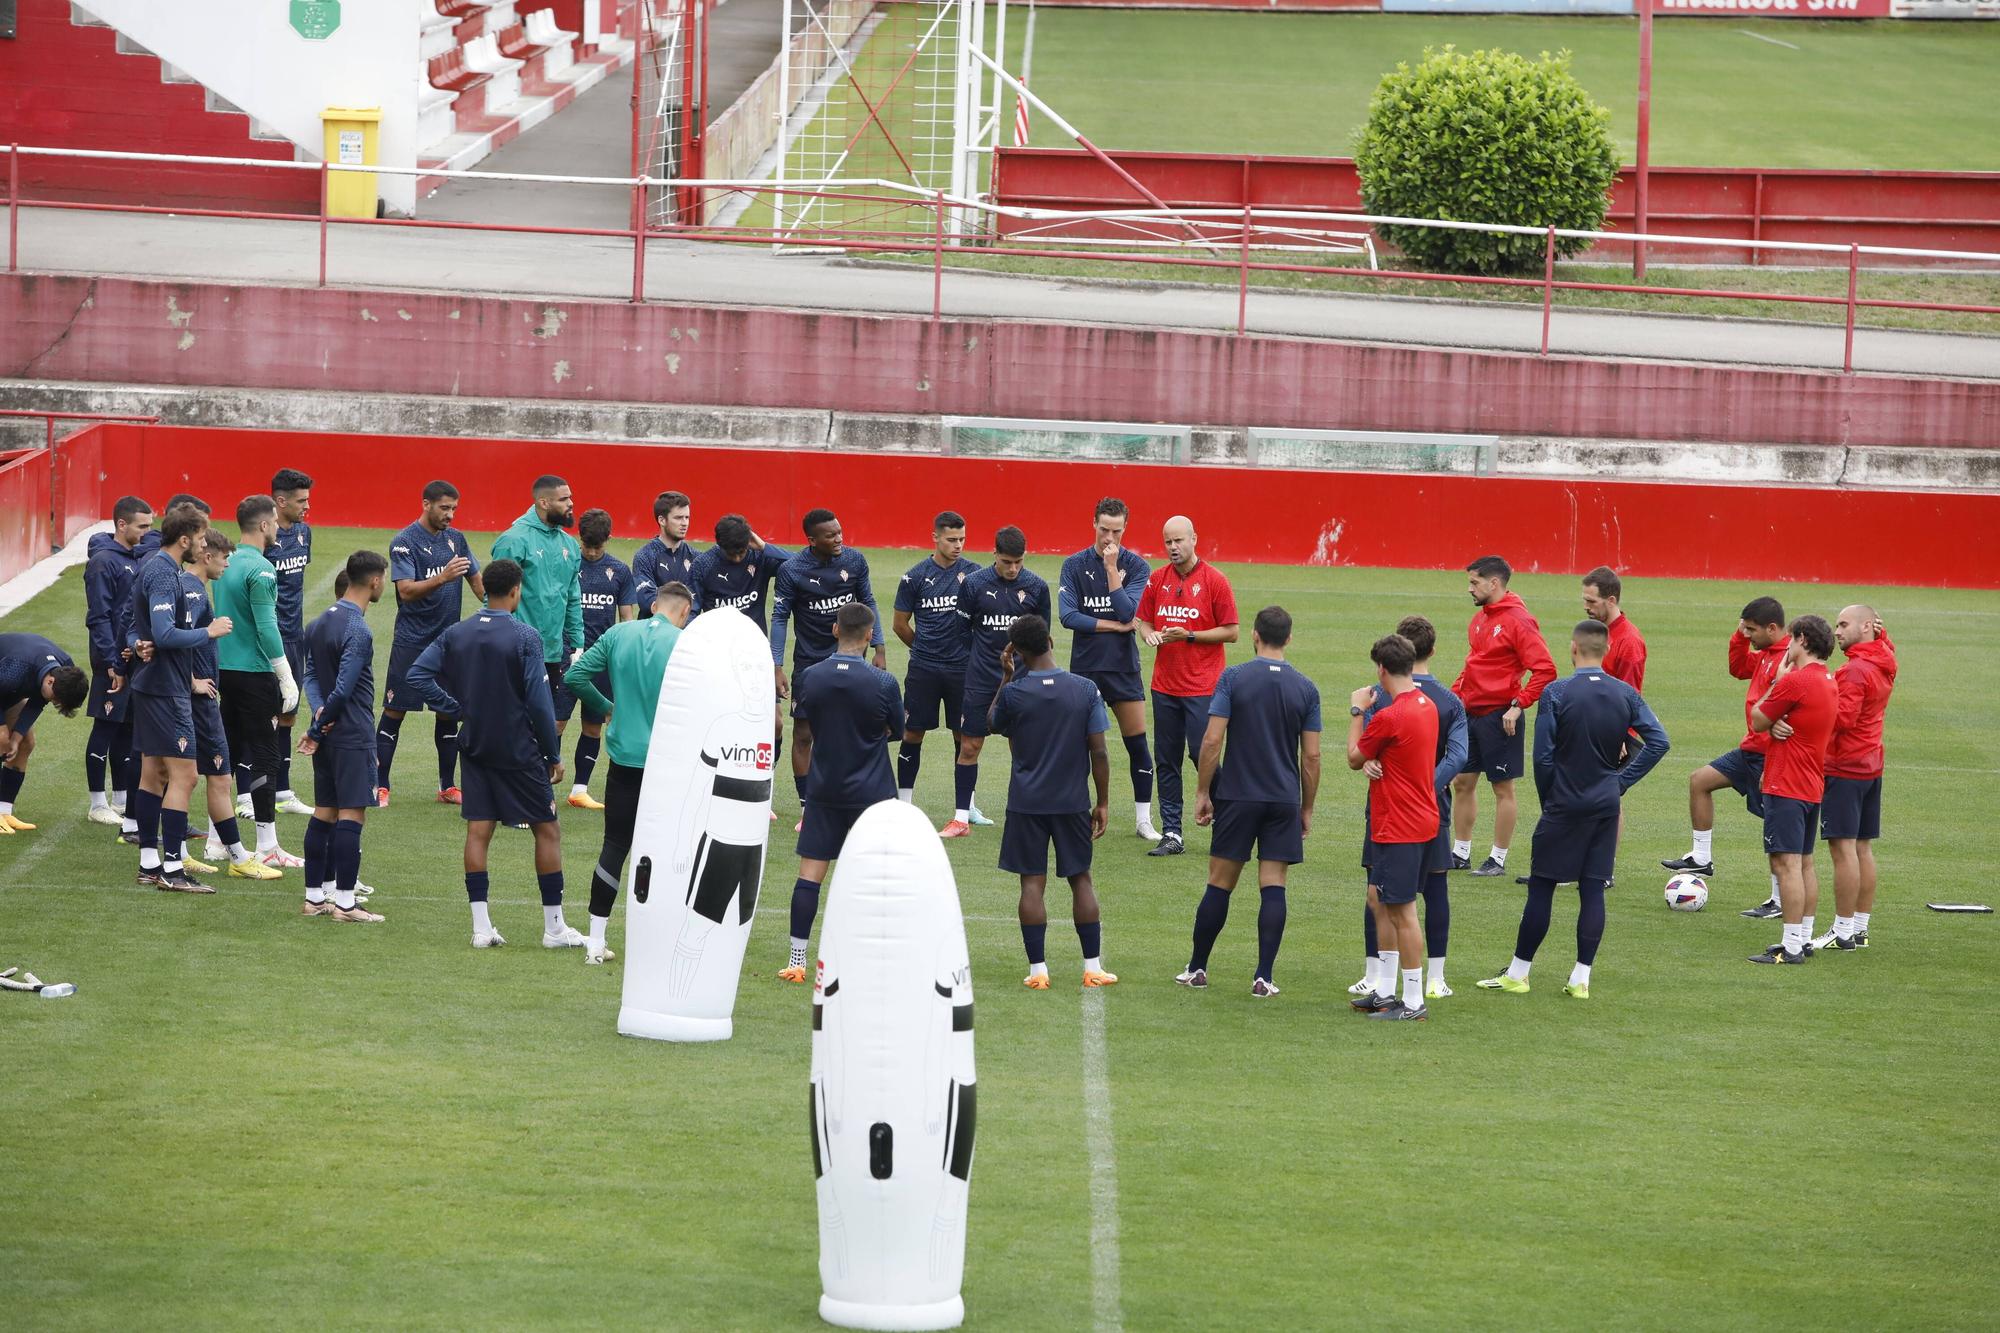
<point>1144,811</point>
<point>1038,969</point>
<point>963,816</point>
<point>1843,927</point>
<point>1093,964</point>
<point>1774,888</point>
<point>598,924</point>
<point>1500,855</point>
<point>315,893</point>
<point>6,807</point>
<point>578,789</point>
<point>344,899</point>
<point>1704,845</point>
<point>1462,850</point>
<point>907,795</point>
<point>552,919</point>
<point>1806,928</point>
<point>288,795</point>
<point>149,858</point>
<point>1385,984</point>
<point>128,824</point>
<point>1861,923</point>
<point>798,955</point>
<point>98,801</point>
<point>267,837</point>
<point>1413,987</point>
<point>1371,968</point>
<point>1517,968</point>
<point>238,853</point>
<point>1580,975</point>
<point>1790,939</point>
<point>482,920</point>
<point>1436,967</point>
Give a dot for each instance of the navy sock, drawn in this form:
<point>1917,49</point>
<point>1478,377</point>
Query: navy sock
<point>386,732</point>
<point>445,734</point>
<point>799,786</point>
<point>603,890</point>
<point>805,906</point>
<point>1535,917</point>
<point>1370,946</point>
<point>346,854</point>
<point>1437,914</point>
<point>145,811</point>
<point>318,852</point>
<point>1589,920</point>
<point>284,758</point>
<point>1209,918</point>
<point>97,752</point>
<point>1090,934</point>
<point>965,781</point>
<point>173,833</point>
<point>123,763</point>
<point>1142,767</point>
<point>1035,940</point>
<point>10,782</point>
<point>587,750</point>
<point>475,886</point>
<point>228,835</point>
<point>908,759</point>
<point>1270,927</point>
<point>551,885</point>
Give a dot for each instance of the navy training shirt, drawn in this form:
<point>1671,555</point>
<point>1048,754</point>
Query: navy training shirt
<point>489,671</point>
<point>607,584</point>
<point>1085,597</point>
<point>744,584</point>
<point>107,597</point>
<point>1269,704</point>
<point>929,594</point>
<point>809,593</point>
<point>1581,722</point>
<point>418,553</point>
<point>201,611</point>
<point>340,678</point>
<point>24,660</point>
<point>655,566</point>
<point>855,709</point>
<point>990,605</point>
<point>163,616</point>
<point>289,553</point>
<point>1048,718</point>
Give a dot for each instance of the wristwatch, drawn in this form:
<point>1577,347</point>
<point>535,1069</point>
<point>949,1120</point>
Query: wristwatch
<point>1352,711</point>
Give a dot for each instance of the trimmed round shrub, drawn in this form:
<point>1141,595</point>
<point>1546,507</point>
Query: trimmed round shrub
<point>1485,136</point>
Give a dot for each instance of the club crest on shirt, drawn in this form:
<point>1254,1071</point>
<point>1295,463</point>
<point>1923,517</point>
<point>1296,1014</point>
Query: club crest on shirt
<point>1195,589</point>
<point>843,576</point>
<point>1021,595</point>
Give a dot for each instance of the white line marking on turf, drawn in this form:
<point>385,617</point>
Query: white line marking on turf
<point>1762,38</point>
<point>1104,1296</point>
<point>39,577</point>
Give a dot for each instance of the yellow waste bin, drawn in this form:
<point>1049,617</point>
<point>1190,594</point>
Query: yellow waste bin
<point>352,133</point>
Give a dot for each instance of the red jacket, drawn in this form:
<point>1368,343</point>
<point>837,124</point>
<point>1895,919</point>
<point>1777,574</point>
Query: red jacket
<point>1865,683</point>
<point>1502,641</point>
<point>1760,669</point>
<point>1625,654</point>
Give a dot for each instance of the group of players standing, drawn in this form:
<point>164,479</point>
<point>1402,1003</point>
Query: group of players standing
<point>199,651</point>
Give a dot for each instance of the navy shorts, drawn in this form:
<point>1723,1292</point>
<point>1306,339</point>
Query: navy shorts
<point>1789,824</point>
<point>510,795</point>
<point>344,779</point>
<point>1491,752</point>
<point>1024,844</point>
<point>295,657</point>
<point>1851,808</point>
<point>1745,771</point>
<point>397,693</point>
<point>1438,861</point>
<point>932,697</point>
<point>559,694</point>
<point>1117,687</point>
<point>824,830</point>
<point>590,714</point>
<point>1570,851</point>
<point>1396,869</point>
<point>104,705</point>
<point>799,664</point>
<point>978,707</point>
<point>163,724</point>
<point>1269,828</point>
<point>211,743</point>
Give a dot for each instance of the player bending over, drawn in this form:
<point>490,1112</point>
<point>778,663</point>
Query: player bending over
<point>34,673</point>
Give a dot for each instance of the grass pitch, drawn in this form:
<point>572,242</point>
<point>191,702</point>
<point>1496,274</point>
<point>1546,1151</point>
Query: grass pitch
<point>247,1118</point>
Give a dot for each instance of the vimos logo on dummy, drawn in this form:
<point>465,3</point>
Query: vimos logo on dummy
<point>758,756</point>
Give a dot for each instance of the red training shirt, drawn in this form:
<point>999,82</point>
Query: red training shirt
<point>1809,700</point>
<point>1625,655</point>
<point>1197,600</point>
<point>1502,641</point>
<point>1864,684</point>
<point>1403,737</point>
<point>1746,663</point>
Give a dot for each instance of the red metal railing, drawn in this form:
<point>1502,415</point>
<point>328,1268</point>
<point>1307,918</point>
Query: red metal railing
<point>56,498</point>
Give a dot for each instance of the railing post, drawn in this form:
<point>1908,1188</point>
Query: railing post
<point>1853,282</point>
<point>13,207</point>
<point>325,186</point>
<point>1548,286</point>
<point>1243,276</point>
<point>638,242</point>
<point>937,259</point>
<point>55,489</point>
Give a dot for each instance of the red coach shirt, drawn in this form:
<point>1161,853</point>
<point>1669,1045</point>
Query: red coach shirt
<point>1865,684</point>
<point>1746,663</point>
<point>1502,641</point>
<point>1197,600</point>
<point>1809,700</point>
<point>1402,803</point>
<point>1625,656</point>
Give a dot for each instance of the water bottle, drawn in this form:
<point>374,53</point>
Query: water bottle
<point>58,990</point>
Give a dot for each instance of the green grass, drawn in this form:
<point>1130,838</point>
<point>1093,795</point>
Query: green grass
<point>246,1118</point>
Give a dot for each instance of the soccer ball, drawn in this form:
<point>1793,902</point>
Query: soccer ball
<point>1687,893</point>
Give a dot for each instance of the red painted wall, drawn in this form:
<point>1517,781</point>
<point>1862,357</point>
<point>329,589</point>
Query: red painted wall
<point>24,509</point>
<point>1936,210</point>
<point>128,331</point>
<point>1268,515</point>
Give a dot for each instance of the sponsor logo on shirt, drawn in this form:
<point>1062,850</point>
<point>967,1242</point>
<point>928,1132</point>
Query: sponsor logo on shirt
<point>947,602</point>
<point>1179,613</point>
<point>829,605</point>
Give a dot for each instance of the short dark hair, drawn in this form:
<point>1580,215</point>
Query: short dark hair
<point>185,499</point>
<point>71,688</point>
<point>1605,579</point>
<point>499,578</point>
<point>548,481</point>
<point>1111,505</point>
<point>1764,611</point>
<point>1491,567</point>
<point>289,479</point>
<point>1273,626</point>
<point>1030,635</point>
<point>364,565</point>
<point>1590,636</point>
<point>815,517</point>
<point>129,507</point>
<point>1815,634</point>
<point>674,588</point>
<point>252,509</point>
<point>852,619</point>
<point>1423,636</point>
<point>213,539</point>
<point>1393,653</point>
<point>594,527</point>
<point>948,518</point>
<point>182,520</point>
<point>666,502</point>
<point>340,583</point>
<point>1010,541</point>
<point>440,490</point>
<point>732,534</point>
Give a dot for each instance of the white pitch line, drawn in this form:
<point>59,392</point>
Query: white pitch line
<point>1105,1314</point>
<point>1762,38</point>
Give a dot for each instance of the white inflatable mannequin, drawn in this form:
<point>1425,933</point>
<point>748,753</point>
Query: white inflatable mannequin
<point>698,843</point>
<point>893,1093</point>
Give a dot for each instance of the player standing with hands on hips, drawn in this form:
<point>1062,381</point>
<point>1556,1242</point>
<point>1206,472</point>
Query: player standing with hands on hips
<point>1503,643</point>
